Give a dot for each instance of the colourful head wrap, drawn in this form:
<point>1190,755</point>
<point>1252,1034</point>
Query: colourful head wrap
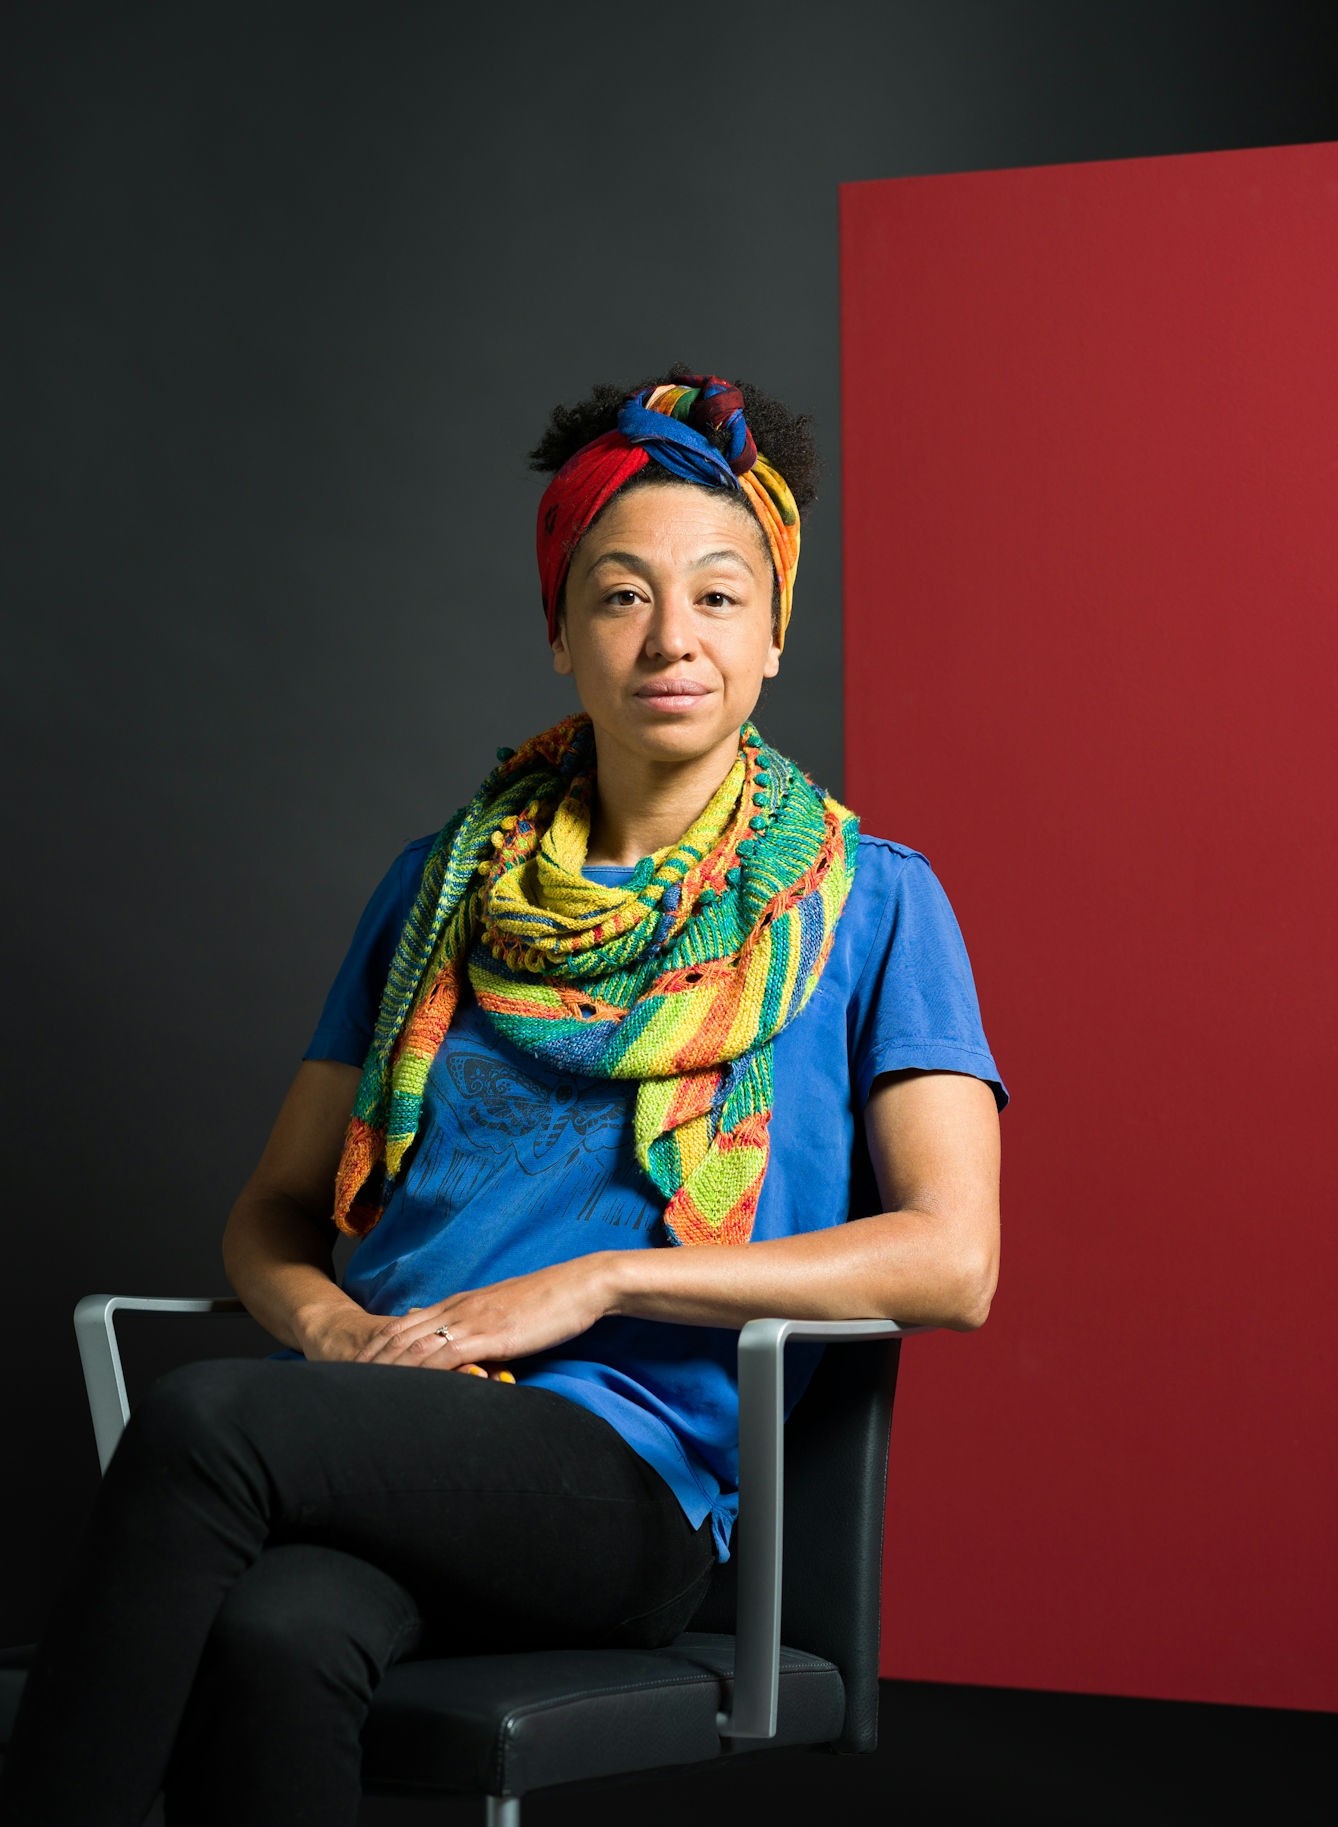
<point>667,424</point>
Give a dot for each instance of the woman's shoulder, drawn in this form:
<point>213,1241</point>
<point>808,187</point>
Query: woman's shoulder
<point>871,845</point>
<point>882,863</point>
<point>914,1004</point>
<point>897,903</point>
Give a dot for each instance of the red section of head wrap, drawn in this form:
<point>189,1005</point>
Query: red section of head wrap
<point>571,501</point>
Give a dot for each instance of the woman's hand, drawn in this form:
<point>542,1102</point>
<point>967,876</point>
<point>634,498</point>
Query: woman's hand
<point>488,1326</point>
<point>341,1332</point>
<point>336,1330</point>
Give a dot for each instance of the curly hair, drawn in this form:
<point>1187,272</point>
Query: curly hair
<point>784,438</point>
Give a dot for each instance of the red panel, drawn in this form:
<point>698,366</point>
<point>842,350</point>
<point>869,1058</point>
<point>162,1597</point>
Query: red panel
<point>1091,482</point>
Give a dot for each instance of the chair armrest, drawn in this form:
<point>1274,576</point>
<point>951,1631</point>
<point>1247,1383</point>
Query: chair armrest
<point>762,1345</point>
<point>95,1329</point>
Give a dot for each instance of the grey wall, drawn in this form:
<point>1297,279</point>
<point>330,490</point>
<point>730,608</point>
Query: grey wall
<point>288,292</point>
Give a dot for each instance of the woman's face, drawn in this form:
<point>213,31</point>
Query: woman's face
<point>668,626</point>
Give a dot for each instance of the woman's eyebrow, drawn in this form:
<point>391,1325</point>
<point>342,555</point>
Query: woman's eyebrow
<point>634,562</point>
<point>629,559</point>
<point>714,558</point>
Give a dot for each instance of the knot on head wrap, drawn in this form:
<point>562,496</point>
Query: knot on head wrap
<point>676,425</point>
<point>706,405</point>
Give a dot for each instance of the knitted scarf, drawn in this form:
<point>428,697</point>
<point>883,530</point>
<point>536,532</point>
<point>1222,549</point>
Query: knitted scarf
<point>681,980</point>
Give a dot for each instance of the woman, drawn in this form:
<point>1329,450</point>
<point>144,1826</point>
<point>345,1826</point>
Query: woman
<point>651,988</point>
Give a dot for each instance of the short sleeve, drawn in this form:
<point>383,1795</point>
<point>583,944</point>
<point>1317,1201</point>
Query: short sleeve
<point>348,1020</point>
<point>915,1005</point>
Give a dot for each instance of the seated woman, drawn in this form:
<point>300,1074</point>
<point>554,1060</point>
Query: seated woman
<point>647,1042</point>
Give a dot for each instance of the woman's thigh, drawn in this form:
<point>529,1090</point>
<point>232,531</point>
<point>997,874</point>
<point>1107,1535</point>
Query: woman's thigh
<point>511,1515</point>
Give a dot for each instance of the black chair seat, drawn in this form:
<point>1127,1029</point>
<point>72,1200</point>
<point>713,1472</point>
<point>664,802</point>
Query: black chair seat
<point>504,1725</point>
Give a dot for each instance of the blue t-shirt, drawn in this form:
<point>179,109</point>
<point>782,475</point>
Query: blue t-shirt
<point>518,1166</point>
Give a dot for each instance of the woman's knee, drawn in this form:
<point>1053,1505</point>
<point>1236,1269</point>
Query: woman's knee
<point>186,1410</point>
<point>308,1612</point>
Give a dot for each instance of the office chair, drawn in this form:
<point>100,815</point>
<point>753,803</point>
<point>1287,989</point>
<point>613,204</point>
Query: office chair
<point>500,1726</point>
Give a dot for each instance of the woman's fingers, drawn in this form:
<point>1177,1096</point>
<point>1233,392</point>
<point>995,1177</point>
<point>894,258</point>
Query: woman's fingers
<point>399,1333</point>
<point>423,1339</point>
<point>417,1339</point>
<point>415,1348</point>
<point>430,1352</point>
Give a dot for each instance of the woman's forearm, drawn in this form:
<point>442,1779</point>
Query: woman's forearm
<point>281,1266</point>
<point>278,1242</point>
<point>908,1265</point>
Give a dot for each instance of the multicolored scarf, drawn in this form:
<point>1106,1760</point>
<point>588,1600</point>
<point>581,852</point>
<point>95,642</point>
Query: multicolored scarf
<point>681,980</point>
<point>669,425</point>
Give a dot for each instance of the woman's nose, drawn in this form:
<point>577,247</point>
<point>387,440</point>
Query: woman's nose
<point>672,631</point>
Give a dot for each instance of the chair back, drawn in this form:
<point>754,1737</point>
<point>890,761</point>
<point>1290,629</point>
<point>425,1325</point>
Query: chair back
<point>836,1444</point>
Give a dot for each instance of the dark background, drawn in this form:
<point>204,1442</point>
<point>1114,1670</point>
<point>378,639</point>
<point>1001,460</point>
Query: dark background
<point>288,291</point>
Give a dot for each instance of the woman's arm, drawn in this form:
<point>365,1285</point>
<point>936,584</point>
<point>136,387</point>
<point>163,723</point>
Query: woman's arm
<point>930,1258</point>
<point>278,1242</point>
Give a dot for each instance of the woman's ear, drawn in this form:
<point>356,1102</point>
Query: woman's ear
<point>561,655</point>
<point>772,666</point>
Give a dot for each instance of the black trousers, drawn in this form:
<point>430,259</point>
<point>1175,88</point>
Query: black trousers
<point>271,1537</point>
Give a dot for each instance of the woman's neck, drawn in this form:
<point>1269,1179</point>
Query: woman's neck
<point>643,805</point>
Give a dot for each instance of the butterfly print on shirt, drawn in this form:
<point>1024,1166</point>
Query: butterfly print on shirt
<point>502,1107</point>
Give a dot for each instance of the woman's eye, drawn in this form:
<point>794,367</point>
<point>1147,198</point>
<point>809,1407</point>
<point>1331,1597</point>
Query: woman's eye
<point>622,599</point>
<point>716,599</point>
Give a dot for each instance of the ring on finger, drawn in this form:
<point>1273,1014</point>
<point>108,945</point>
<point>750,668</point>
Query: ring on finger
<point>444,1332</point>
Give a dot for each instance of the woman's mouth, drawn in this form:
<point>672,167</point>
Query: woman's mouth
<point>669,695</point>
